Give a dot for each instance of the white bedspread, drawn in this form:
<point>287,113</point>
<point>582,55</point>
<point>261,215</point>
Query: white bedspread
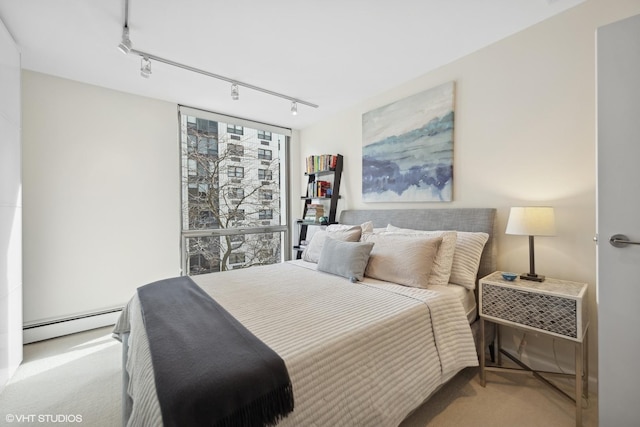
<point>363,354</point>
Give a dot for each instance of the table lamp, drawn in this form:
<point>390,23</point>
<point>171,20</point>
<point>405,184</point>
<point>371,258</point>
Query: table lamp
<point>531,221</point>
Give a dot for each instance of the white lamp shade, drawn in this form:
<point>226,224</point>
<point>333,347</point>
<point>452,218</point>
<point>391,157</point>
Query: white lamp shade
<point>531,221</point>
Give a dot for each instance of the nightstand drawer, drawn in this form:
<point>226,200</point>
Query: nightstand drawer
<point>546,312</point>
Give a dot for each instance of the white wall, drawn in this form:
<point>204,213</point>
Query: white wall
<point>10,209</point>
<point>101,196</point>
<point>524,133</point>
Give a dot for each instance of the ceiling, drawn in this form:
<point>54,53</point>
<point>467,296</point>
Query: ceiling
<point>334,53</point>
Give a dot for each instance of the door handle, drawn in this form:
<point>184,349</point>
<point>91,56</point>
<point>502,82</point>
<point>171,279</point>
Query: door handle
<point>620,241</point>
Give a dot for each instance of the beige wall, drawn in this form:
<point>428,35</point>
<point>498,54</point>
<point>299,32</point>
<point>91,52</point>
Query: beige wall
<point>524,134</point>
<point>101,196</point>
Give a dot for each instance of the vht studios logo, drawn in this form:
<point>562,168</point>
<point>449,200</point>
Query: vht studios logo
<point>43,418</point>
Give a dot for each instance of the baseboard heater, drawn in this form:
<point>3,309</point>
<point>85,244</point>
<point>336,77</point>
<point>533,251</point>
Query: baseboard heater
<point>39,331</point>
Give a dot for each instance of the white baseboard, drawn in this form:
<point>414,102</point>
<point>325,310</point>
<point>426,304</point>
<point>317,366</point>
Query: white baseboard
<point>59,327</point>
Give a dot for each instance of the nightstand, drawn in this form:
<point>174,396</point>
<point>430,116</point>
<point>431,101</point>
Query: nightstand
<point>554,307</point>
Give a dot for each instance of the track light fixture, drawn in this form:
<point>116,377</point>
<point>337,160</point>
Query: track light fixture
<point>125,45</point>
<point>145,67</point>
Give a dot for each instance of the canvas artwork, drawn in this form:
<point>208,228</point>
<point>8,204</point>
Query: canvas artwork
<point>407,153</point>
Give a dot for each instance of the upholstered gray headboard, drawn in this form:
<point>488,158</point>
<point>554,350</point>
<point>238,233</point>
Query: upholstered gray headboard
<point>463,219</point>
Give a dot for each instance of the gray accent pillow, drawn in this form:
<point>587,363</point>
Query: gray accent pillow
<point>314,248</point>
<point>346,259</point>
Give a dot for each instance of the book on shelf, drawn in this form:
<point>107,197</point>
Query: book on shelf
<point>319,189</point>
<point>314,212</point>
<point>322,162</point>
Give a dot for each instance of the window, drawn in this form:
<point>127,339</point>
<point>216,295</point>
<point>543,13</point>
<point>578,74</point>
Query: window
<point>236,193</point>
<point>235,129</point>
<point>264,135</point>
<point>235,150</point>
<point>266,195</point>
<point>233,192</point>
<point>264,154</point>
<point>237,238</point>
<point>235,171</point>
<point>265,214</point>
<point>236,258</point>
<point>265,175</point>
<point>236,215</point>
<point>207,219</point>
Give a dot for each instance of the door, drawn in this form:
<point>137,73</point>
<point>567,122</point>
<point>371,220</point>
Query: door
<point>618,212</point>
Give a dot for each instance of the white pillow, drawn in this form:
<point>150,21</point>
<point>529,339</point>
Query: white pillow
<point>367,227</point>
<point>441,269</point>
<point>314,248</point>
<point>402,259</point>
<point>466,257</point>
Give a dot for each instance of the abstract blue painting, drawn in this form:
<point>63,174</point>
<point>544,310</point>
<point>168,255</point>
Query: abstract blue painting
<point>407,149</point>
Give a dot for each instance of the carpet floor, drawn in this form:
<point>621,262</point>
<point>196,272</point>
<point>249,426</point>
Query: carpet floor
<point>76,380</point>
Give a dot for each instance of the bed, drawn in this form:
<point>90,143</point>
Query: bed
<point>358,352</point>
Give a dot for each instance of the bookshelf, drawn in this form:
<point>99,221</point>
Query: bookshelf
<point>324,173</point>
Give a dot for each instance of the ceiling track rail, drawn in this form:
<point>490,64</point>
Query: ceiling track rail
<point>126,47</point>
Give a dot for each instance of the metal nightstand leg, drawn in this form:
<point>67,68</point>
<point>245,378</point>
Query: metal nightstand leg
<point>579,388</point>
<point>585,351</point>
<point>497,345</point>
<point>483,378</point>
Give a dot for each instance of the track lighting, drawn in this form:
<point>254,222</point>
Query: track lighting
<point>125,45</point>
<point>234,92</point>
<point>145,67</point>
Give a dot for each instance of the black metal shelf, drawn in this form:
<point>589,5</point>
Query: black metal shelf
<point>333,206</point>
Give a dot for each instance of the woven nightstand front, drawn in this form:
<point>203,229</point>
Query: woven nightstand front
<point>540,311</point>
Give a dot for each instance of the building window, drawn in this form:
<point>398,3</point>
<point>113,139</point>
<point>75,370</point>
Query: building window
<point>263,134</point>
<point>235,129</point>
<point>265,174</point>
<point>265,214</point>
<point>264,154</point>
<point>235,150</point>
<point>266,195</point>
<point>236,193</point>
<point>236,258</point>
<point>237,238</point>
<point>235,172</point>
<point>236,215</point>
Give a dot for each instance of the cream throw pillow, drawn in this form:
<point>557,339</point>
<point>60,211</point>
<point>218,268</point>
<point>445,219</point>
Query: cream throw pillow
<point>314,248</point>
<point>441,270</point>
<point>401,259</point>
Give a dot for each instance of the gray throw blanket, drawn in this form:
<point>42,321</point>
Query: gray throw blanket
<point>209,369</point>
